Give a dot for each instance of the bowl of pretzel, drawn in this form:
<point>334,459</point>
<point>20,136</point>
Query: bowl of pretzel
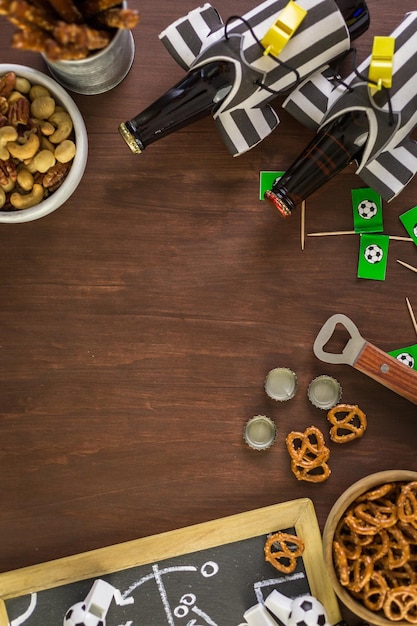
<point>370,548</point>
<point>43,144</point>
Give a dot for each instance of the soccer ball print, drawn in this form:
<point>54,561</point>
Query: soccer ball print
<point>307,611</point>
<point>367,209</point>
<point>78,615</point>
<point>406,358</point>
<point>373,253</point>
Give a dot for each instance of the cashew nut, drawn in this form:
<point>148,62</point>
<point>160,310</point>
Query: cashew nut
<point>11,184</point>
<point>7,133</point>
<point>25,201</point>
<point>2,198</point>
<point>14,97</point>
<point>46,127</point>
<point>25,179</point>
<point>47,145</point>
<point>24,150</point>
<point>65,151</point>
<point>63,123</point>
<point>42,107</point>
<point>44,160</point>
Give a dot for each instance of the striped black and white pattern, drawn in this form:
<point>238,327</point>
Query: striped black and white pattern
<point>389,161</point>
<point>245,118</point>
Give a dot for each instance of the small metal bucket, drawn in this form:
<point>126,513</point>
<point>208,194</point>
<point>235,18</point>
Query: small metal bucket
<point>99,72</point>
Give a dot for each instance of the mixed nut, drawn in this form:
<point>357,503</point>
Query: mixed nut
<point>37,144</point>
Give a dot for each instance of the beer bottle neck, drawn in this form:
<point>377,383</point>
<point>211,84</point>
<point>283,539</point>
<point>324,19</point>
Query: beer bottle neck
<point>194,97</point>
<point>332,149</point>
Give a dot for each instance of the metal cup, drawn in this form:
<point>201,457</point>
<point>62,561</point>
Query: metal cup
<point>99,72</point>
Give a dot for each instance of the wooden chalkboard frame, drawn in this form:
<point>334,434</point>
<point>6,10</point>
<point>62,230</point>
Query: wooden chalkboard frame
<point>298,514</point>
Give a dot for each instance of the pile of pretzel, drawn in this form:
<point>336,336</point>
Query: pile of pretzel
<point>66,29</point>
<point>375,550</point>
<point>308,450</point>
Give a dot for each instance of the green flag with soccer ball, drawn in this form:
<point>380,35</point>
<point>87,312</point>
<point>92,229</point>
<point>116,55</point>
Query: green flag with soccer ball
<point>373,256</point>
<point>407,356</point>
<point>409,221</point>
<point>367,211</point>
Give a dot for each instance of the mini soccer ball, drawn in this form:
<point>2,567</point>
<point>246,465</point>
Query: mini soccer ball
<point>406,358</point>
<point>415,230</point>
<point>307,611</point>
<point>78,615</point>
<point>373,253</point>
<point>367,209</point>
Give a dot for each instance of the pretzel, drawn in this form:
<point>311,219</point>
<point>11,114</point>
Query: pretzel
<point>375,550</point>
<point>348,422</point>
<point>374,591</point>
<point>282,550</point>
<point>66,29</point>
<point>401,604</point>
<point>118,18</point>
<point>309,454</point>
<point>407,502</point>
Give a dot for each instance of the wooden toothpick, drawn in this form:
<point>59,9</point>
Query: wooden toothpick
<point>332,232</point>
<point>411,312</point>
<point>303,224</point>
<point>410,267</point>
<point>353,232</point>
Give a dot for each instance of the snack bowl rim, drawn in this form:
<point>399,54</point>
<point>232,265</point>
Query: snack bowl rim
<point>338,509</point>
<point>72,180</point>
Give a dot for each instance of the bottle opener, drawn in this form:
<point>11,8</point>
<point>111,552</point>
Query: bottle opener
<point>367,358</point>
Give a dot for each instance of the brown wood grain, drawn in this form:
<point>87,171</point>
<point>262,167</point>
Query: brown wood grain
<point>138,323</point>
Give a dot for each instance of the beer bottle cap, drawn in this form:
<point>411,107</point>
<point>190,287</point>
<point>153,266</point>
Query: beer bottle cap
<point>259,432</point>
<point>324,392</point>
<point>281,384</point>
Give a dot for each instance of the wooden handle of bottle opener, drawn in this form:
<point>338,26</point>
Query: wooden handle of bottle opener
<point>388,371</point>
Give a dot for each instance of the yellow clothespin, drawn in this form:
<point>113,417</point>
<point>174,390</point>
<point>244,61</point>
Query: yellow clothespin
<point>382,58</point>
<point>283,29</point>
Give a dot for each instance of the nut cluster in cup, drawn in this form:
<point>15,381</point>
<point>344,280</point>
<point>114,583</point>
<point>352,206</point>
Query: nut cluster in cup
<point>37,143</point>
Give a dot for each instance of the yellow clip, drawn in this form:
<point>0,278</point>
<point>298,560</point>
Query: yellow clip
<point>283,29</point>
<point>380,69</point>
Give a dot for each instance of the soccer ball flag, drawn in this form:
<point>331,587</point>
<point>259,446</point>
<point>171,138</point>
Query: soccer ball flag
<point>407,356</point>
<point>409,221</point>
<point>367,211</point>
<point>373,256</point>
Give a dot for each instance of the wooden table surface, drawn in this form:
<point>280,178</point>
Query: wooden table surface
<point>139,320</point>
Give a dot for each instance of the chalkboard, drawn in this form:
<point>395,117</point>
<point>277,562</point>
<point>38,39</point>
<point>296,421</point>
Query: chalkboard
<point>205,575</point>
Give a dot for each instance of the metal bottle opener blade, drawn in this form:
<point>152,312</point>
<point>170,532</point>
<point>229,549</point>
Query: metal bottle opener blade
<point>367,358</point>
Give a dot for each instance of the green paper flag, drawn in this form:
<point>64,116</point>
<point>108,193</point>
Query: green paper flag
<point>409,220</point>
<point>407,356</point>
<point>266,180</point>
<point>367,211</point>
<point>373,256</point>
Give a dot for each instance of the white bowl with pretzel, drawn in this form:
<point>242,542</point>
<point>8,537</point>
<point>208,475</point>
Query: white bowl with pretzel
<point>62,133</point>
<point>370,548</point>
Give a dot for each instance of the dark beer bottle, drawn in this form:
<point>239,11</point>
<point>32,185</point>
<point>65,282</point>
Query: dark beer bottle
<point>194,97</point>
<point>203,89</point>
<point>334,146</point>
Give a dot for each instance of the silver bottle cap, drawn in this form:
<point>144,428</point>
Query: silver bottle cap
<point>281,384</point>
<point>259,432</point>
<point>324,392</point>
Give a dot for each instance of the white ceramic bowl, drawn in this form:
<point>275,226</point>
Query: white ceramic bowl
<point>342,503</point>
<point>71,182</point>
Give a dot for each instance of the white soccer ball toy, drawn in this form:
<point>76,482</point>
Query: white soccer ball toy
<point>373,253</point>
<point>406,358</point>
<point>367,209</point>
<point>307,611</point>
<point>78,615</point>
<point>415,230</point>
